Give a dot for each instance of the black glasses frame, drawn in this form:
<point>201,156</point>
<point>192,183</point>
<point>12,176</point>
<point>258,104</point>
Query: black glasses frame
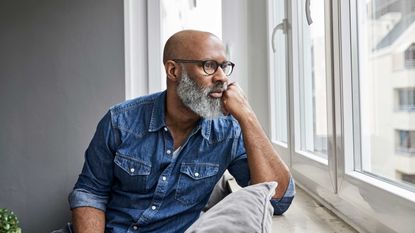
<point>203,63</point>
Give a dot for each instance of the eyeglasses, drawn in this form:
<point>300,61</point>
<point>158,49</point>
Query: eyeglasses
<point>211,66</point>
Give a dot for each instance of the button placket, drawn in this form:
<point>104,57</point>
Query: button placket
<point>168,142</point>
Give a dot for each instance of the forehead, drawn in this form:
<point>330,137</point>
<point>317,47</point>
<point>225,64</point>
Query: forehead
<point>207,48</point>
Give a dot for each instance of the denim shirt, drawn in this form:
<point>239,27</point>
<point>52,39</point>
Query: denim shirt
<point>130,172</point>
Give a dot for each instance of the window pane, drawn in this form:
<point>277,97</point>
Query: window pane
<point>410,57</point>
<point>313,82</point>
<point>387,88</point>
<point>176,15</point>
<point>280,74</point>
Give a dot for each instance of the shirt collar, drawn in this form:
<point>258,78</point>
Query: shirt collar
<point>158,113</point>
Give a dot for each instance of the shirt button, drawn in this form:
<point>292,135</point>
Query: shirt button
<point>196,174</point>
<point>153,207</point>
<point>164,178</point>
<point>168,152</point>
<point>132,169</point>
<point>135,227</point>
<point>165,129</point>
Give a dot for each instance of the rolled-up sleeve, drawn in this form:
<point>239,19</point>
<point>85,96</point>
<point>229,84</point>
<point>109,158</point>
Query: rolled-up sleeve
<point>94,183</point>
<point>281,205</point>
<point>81,197</point>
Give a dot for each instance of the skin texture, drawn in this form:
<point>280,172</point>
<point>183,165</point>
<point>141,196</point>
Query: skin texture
<point>264,162</point>
<point>88,219</point>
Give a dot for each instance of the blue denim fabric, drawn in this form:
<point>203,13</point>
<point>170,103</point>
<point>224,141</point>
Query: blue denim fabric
<point>131,174</point>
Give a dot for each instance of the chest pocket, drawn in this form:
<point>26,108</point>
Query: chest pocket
<point>132,174</point>
<point>196,182</point>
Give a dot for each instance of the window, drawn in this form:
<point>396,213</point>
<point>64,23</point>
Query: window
<point>312,81</point>
<point>299,48</point>
<point>405,142</point>
<point>351,98</point>
<point>410,56</point>
<point>406,99</point>
<point>203,15</point>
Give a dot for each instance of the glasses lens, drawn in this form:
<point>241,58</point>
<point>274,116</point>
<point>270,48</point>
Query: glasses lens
<point>210,67</point>
<point>227,68</point>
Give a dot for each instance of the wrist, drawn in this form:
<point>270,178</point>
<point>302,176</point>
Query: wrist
<point>246,117</point>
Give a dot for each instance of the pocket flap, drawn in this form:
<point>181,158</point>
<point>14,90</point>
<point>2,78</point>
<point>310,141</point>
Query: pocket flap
<point>199,170</point>
<point>132,166</point>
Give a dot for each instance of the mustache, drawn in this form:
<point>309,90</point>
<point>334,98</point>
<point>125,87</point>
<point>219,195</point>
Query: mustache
<point>219,87</point>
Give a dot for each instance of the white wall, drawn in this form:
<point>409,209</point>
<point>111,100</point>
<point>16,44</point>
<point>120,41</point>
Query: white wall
<point>61,67</point>
<point>244,30</point>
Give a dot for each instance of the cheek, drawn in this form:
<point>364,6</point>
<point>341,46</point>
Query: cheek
<point>202,81</point>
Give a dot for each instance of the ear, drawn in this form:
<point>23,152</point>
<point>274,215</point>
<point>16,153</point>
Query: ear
<point>172,70</point>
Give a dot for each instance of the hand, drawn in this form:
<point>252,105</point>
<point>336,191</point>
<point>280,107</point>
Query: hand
<point>235,102</point>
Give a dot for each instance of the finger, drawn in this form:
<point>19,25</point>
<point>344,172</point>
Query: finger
<point>233,83</point>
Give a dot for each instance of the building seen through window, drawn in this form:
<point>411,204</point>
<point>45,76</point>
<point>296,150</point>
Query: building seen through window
<point>386,31</point>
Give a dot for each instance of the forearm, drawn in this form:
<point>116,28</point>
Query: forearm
<point>88,220</point>
<point>264,162</point>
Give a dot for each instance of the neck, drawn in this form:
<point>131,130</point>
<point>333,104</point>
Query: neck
<point>178,116</point>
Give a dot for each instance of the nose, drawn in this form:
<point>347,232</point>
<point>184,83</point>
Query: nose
<point>220,76</point>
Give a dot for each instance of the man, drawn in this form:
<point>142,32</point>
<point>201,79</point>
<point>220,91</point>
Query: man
<point>154,160</point>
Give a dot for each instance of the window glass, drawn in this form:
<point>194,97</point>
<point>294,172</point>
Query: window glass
<point>176,15</point>
<point>406,99</point>
<point>405,142</point>
<point>313,81</point>
<point>386,38</point>
<point>410,56</point>
<point>279,75</point>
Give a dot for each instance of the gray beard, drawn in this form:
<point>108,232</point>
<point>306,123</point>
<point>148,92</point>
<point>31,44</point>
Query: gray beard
<point>197,98</point>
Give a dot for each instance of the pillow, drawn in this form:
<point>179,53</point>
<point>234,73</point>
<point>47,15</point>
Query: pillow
<point>246,210</point>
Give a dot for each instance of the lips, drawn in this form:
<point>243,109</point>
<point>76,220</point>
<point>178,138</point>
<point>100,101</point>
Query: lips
<point>217,90</point>
<point>216,94</point>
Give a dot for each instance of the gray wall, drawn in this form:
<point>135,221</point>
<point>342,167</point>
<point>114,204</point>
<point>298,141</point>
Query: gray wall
<point>61,67</point>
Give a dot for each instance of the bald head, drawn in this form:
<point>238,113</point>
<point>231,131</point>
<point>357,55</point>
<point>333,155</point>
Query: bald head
<point>189,44</point>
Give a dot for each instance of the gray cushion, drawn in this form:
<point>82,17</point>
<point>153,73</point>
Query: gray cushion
<point>246,210</point>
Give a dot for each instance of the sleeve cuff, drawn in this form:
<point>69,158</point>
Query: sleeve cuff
<point>281,205</point>
<point>83,198</point>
